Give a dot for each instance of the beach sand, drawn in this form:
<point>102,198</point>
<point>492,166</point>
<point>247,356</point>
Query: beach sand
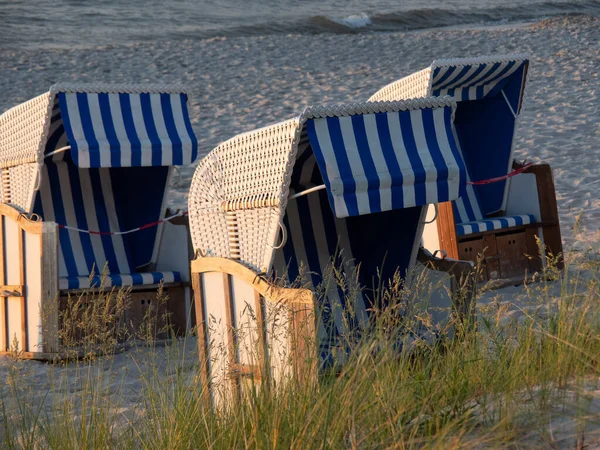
<point>238,84</point>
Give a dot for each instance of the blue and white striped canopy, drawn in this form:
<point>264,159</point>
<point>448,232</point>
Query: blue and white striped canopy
<point>474,79</point>
<point>390,160</point>
<point>128,129</point>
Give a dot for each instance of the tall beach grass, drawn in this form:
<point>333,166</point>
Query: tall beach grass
<point>525,376</point>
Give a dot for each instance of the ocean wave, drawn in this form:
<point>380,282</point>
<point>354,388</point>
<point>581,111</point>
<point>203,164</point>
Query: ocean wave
<point>420,19</point>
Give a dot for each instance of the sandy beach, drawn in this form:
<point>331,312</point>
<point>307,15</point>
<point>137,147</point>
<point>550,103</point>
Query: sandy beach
<point>238,84</point>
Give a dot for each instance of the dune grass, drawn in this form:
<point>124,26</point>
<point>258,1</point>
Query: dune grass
<point>506,383</point>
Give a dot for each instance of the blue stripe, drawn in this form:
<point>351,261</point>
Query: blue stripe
<point>88,129</point>
<point>341,157</point>
<point>114,181</point>
<point>461,74</point>
<point>137,279</point>
<point>313,265</point>
<point>462,184</point>
<point>116,280</point>
<point>443,191</point>
<point>408,138</point>
<point>289,254</point>
<point>60,217</point>
<point>109,130</point>
<point>52,141</point>
<point>188,127</point>
<point>64,112</point>
<point>385,139</point>
<point>151,129</point>
<point>360,134</point>
<point>483,79</point>
<point>134,140</point>
<point>501,73</point>
<point>74,175</point>
<point>466,82</point>
<point>479,92</point>
<point>157,277</point>
<point>167,110</point>
<point>103,223</point>
<point>450,70</point>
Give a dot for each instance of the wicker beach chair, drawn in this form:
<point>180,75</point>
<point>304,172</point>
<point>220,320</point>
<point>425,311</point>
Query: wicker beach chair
<point>346,184</point>
<point>499,219</point>
<point>96,158</point>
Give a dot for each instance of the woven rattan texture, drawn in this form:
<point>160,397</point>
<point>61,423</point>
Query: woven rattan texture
<point>239,191</point>
<point>22,182</point>
<point>246,170</point>
<point>412,86</point>
<point>21,131</point>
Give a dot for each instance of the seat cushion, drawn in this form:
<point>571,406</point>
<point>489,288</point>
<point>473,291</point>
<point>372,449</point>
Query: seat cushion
<point>497,223</point>
<point>132,279</point>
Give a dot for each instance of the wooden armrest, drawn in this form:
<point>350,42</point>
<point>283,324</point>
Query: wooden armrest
<point>454,267</point>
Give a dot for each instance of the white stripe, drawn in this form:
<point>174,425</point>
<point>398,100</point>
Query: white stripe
<point>449,158</point>
<point>457,83</point>
<point>178,116</point>
<point>295,233</point>
<point>400,152</point>
<point>98,126</point>
<point>117,117</point>
<point>92,220</point>
<point>431,188</point>
<point>126,280</point>
<point>113,223</point>
<point>385,180</point>
<point>77,128</point>
<point>325,261</point>
<point>491,86</point>
<point>333,171</point>
<point>511,221</point>
<point>358,172</point>
<point>140,128</point>
<point>48,208</point>
<point>440,74</point>
<point>69,209</point>
<point>159,121</point>
<point>349,263</point>
<point>147,278</point>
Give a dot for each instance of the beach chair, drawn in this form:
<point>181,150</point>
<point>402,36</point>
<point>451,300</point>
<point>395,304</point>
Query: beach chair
<point>501,217</point>
<point>81,159</point>
<point>344,185</point>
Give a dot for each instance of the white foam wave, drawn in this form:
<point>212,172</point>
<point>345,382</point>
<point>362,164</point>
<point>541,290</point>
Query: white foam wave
<point>355,21</point>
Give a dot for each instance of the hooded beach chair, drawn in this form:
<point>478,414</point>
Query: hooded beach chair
<point>344,184</point>
<point>90,158</point>
<point>498,214</point>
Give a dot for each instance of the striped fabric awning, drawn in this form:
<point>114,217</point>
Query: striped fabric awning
<point>127,129</point>
<point>390,160</point>
<point>475,79</point>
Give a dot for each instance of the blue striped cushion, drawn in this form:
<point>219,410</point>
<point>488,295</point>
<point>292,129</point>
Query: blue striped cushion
<point>496,223</point>
<point>133,279</point>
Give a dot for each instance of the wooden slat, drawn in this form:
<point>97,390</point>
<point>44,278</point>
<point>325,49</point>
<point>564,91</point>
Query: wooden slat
<point>24,343</point>
<point>203,341</point>
<point>49,300</point>
<point>266,289</point>
<point>263,351</point>
<point>447,230</point>
<point>231,339</point>
<point>492,264</point>
<point>3,300</point>
<point>548,208</point>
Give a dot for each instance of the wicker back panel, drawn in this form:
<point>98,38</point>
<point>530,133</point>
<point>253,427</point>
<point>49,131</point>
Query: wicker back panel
<point>22,129</point>
<point>412,86</point>
<point>236,194</point>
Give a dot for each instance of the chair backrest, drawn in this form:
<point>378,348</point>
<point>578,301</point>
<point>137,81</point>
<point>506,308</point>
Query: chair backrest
<point>106,200</point>
<point>489,93</point>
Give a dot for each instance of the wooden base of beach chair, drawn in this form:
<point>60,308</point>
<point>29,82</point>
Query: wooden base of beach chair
<point>509,254</point>
<point>142,316</point>
<point>250,332</point>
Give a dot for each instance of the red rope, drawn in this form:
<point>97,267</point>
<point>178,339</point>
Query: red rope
<point>142,227</point>
<point>503,177</point>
